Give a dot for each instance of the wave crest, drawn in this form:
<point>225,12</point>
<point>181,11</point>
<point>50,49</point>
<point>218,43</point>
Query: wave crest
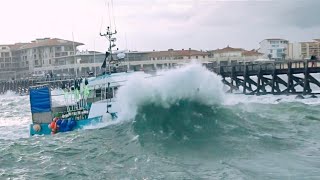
<point>192,82</point>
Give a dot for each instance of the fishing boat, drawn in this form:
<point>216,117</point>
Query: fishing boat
<point>88,101</point>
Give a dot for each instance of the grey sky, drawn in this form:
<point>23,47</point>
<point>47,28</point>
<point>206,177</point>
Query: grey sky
<point>161,24</point>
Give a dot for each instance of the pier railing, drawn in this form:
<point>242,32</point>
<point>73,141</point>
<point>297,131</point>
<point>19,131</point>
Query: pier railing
<point>251,77</point>
<point>239,76</point>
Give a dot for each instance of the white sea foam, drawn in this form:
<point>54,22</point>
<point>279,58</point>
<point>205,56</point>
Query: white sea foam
<point>234,99</point>
<point>193,82</point>
<point>15,116</point>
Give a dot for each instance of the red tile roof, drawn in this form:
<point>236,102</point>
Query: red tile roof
<point>175,53</point>
<point>16,46</point>
<point>251,53</point>
<point>49,42</point>
<point>276,39</point>
<point>227,49</point>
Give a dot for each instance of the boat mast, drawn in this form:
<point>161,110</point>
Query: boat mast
<point>111,40</point>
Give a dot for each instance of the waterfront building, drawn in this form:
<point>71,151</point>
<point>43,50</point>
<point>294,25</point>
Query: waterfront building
<point>229,55</point>
<point>183,54</point>
<point>304,50</point>
<point>21,59</point>
<point>251,55</point>
<point>227,52</point>
<point>310,48</point>
<point>10,61</point>
<point>294,51</point>
<point>275,48</point>
<point>48,52</point>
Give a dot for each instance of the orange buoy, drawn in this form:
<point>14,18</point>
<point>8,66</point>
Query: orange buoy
<point>37,128</point>
<point>53,127</point>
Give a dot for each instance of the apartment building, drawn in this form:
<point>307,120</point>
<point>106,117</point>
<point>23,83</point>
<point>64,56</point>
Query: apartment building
<point>5,57</point>
<point>304,50</point>
<point>310,48</point>
<point>227,52</point>
<point>10,61</point>
<point>229,55</point>
<point>172,54</point>
<point>294,51</point>
<point>21,59</point>
<point>48,52</point>
<point>274,48</point>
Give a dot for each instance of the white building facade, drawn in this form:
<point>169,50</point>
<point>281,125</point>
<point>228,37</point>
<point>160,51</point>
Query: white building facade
<point>234,55</point>
<point>228,52</point>
<point>274,48</point>
<point>172,54</point>
<point>47,52</point>
<point>294,51</point>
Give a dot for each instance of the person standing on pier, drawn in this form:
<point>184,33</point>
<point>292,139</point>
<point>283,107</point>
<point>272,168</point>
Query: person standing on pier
<point>313,59</point>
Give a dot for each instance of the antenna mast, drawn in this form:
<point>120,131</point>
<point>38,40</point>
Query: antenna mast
<point>114,19</point>
<point>112,41</point>
<point>74,56</point>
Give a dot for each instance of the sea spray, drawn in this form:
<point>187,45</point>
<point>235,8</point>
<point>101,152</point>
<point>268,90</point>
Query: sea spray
<point>192,82</point>
<point>15,116</point>
<point>171,137</point>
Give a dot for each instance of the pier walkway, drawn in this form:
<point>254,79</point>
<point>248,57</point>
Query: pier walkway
<point>22,86</point>
<point>279,77</point>
<point>286,77</point>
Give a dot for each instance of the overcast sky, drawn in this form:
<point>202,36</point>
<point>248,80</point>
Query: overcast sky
<point>161,24</point>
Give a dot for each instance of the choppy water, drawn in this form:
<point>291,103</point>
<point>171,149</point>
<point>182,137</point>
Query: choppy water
<point>171,130</point>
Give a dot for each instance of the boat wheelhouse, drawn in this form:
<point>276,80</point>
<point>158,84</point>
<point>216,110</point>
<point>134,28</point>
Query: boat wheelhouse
<point>87,102</point>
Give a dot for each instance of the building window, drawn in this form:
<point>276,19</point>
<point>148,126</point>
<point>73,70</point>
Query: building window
<point>274,42</point>
<point>203,57</point>
<point>3,48</point>
<point>49,61</point>
<point>271,51</point>
<point>196,57</point>
<point>58,48</point>
<point>68,48</point>
<point>63,54</point>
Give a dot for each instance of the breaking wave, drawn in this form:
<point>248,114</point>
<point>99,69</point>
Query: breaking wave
<point>192,82</point>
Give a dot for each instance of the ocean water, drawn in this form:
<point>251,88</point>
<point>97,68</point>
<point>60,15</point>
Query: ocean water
<point>179,125</point>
